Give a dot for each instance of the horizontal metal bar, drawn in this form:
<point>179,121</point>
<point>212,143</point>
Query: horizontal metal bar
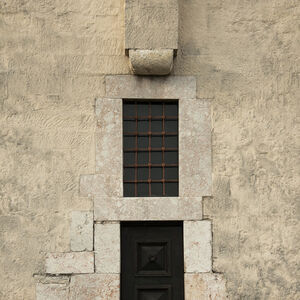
<point>150,165</point>
<point>145,118</point>
<point>152,181</point>
<point>150,133</point>
<point>151,149</point>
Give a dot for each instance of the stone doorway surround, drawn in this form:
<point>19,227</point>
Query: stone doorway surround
<point>92,269</point>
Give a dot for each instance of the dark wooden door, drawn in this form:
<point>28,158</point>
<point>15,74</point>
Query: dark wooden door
<point>152,261</point>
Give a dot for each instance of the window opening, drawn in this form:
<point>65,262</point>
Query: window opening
<point>150,148</point>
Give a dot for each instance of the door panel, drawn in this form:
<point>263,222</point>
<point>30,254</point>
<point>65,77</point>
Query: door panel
<point>152,261</point>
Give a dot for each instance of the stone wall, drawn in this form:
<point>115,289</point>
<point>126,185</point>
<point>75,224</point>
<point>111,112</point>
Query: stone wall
<point>245,54</point>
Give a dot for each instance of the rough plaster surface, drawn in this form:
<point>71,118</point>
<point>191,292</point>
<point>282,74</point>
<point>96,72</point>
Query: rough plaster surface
<point>82,235</point>
<point>151,24</point>
<point>107,248</point>
<point>52,291</point>
<point>151,62</point>
<point>245,55</point>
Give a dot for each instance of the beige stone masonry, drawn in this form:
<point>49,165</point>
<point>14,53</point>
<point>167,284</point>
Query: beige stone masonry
<point>151,62</point>
<point>146,209</point>
<point>95,286</point>
<point>108,139</point>
<point>204,286</point>
<point>142,87</point>
<point>107,248</point>
<point>101,185</point>
<point>81,233</point>
<point>197,246</point>
<point>194,148</point>
<point>52,291</point>
<point>70,263</point>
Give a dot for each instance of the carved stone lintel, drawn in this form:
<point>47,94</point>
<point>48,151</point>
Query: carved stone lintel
<point>151,62</point>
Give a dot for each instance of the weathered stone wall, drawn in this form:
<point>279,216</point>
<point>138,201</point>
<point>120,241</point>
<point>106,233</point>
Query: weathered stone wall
<point>245,54</point>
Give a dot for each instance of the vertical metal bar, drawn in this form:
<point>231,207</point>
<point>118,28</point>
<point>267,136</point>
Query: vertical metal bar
<point>163,149</point>
<point>136,151</point>
<point>149,148</point>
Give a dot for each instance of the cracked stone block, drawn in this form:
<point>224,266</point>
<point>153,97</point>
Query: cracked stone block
<point>197,246</point>
<point>52,291</point>
<point>70,263</point>
<point>202,286</point>
<point>107,248</point>
<point>95,286</point>
<point>82,231</point>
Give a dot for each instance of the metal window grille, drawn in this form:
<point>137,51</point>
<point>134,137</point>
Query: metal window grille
<point>150,148</point>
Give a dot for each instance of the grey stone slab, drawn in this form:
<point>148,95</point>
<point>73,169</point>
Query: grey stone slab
<point>52,291</point>
<point>70,263</point>
<point>142,87</point>
<point>195,170</point>
<point>197,246</point>
<point>107,247</point>
<point>82,231</point>
<point>95,286</point>
<point>148,208</point>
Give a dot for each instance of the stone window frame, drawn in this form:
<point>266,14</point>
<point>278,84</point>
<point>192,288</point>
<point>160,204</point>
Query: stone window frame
<point>93,265</point>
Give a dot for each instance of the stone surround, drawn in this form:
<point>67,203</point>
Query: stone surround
<point>93,266</point>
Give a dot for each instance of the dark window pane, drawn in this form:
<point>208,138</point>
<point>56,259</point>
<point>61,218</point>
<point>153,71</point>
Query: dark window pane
<point>142,173</point>
<point>143,109</point>
<point>143,142</point>
<point>129,126</point>
<point>171,157</point>
<point>171,142</point>
<point>129,142</point>
<point>171,172</point>
<point>156,126</point>
<point>156,157</point>
<point>143,126</point>
<point>156,173</point>
<point>143,189</point>
<point>143,157</point>
<point>171,126</point>
<point>129,158</point>
<point>129,190</point>
<point>171,109</point>
<point>129,174</point>
<point>129,109</point>
<point>156,109</point>
<point>156,141</point>
<point>171,188</point>
<point>156,189</point>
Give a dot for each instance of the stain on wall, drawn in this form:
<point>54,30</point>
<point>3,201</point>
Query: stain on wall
<point>245,54</point>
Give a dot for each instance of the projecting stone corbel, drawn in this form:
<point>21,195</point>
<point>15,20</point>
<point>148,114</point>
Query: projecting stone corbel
<point>151,35</point>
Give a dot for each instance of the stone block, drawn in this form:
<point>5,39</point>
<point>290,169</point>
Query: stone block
<point>204,286</point>
<point>147,208</point>
<point>107,248</point>
<point>197,246</point>
<point>104,185</point>
<point>70,263</point>
<point>82,231</point>
<point>195,148</point>
<point>52,291</point>
<point>151,62</point>
<point>159,17</point>
<point>109,137</point>
<point>95,286</point>
<point>140,87</point>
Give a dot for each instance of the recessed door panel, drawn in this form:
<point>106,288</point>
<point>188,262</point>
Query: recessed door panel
<point>152,261</point>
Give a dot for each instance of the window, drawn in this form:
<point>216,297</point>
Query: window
<point>150,148</point>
